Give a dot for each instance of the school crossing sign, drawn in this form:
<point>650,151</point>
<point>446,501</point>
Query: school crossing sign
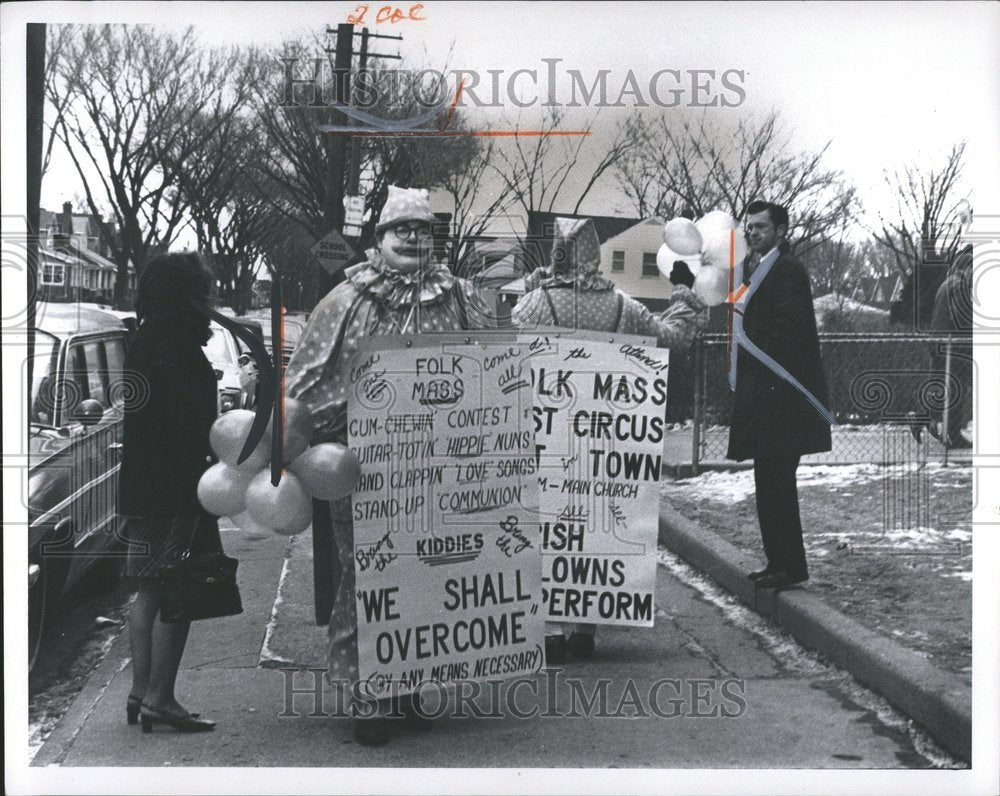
<point>332,251</point>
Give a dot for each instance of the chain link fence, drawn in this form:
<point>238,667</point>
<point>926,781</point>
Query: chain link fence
<point>881,387</point>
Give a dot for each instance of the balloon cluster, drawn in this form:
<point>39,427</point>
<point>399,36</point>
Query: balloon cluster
<point>244,492</point>
<point>707,246</point>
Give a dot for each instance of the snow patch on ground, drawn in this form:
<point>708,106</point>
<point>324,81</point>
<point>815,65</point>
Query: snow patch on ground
<point>733,487</point>
<point>920,539</point>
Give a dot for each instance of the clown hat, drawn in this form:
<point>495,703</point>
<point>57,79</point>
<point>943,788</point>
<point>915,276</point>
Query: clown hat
<point>405,204</point>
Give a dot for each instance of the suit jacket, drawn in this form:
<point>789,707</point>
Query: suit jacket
<point>770,416</point>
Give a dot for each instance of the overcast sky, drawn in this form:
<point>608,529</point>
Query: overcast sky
<point>887,83</point>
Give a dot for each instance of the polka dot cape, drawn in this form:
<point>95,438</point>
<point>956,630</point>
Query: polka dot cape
<point>372,301</point>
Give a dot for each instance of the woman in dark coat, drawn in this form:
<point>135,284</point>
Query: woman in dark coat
<point>165,452</point>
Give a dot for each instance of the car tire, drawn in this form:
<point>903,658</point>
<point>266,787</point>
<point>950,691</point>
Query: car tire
<point>43,597</point>
<point>107,573</point>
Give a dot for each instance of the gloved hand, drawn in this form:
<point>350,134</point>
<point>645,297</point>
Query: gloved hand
<point>680,274</point>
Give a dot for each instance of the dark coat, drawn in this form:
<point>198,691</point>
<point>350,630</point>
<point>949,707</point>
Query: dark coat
<point>167,419</point>
<point>770,416</point>
<point>953,312</point>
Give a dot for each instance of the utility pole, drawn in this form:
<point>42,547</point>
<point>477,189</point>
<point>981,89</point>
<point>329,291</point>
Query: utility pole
<point>336,145</point>
<point>338,175</point>
<point>325,557</point>
<point>354,175</point>
<point>354,172</point>
<point>35,108</point>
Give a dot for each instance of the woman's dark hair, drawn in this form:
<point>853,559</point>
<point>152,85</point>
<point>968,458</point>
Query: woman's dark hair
<point>169,282</point>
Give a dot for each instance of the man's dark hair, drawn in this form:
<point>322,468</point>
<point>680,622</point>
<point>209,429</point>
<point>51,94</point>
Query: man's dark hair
<point>777,213</point>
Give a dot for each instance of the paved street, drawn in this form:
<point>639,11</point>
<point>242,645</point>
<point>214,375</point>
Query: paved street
<point>798,713</point>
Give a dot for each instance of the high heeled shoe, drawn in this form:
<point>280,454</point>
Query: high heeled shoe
<point>133,705</point>
<point>189,722</point>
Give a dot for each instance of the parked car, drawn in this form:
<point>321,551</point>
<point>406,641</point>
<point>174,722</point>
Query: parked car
<point>294,326</point>
<point>78,389</point>
<point>234,368</point>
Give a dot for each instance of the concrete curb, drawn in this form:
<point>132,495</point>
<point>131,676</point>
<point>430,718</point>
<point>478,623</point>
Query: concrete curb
<point>936,699</point>
<point>64,734</point>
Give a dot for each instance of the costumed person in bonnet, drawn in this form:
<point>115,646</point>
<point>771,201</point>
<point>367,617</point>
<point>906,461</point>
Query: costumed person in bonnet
<point>399,290</point>
<point>573,294</point>
<point>953,316</point>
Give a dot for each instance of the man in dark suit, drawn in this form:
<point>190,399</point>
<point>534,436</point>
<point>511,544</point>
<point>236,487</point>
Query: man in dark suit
<point>780,408</point>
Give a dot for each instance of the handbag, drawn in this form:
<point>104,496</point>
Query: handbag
<point>200,586</point>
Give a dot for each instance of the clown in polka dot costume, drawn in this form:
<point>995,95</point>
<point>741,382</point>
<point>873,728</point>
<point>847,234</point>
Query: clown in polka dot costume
<point>399,290</point>
<point>571,293</point>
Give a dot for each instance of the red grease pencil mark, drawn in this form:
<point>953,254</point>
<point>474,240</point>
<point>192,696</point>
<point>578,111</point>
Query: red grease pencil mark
<point>456,133</point>
<point>390,14</point>
<point>454,104</point>
<point>281,365</point>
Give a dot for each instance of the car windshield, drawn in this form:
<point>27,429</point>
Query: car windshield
<point>217,348</point>
<point>293,331</point>
<point>43,392</point>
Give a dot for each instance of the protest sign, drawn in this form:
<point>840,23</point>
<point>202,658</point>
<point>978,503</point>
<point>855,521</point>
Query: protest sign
<point>447,552</point>
<point>599,412</point>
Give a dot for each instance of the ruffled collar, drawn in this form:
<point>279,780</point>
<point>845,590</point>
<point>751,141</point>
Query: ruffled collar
<point>377,280</point>
<point>583,282</point>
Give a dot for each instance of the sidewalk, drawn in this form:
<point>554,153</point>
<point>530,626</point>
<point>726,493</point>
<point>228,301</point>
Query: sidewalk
<point>231,672</point>
<point>219,674</point>
<point>938,700</point>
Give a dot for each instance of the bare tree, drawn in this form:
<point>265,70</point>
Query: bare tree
<point>536,168</point>
<point>129,95</point>
<point>675,166</point>
<point>293,170</point>
<point>56,42</point>
<point>286,250</point>
<point>230,215</point>
<point>839,266</point>
<point>926,213</point>
<point>922,234</point>
<point>474,200</point>
<point>455,164</point>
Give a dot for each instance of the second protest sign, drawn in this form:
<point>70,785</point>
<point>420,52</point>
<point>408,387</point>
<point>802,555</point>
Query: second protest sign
<point>599,410</point>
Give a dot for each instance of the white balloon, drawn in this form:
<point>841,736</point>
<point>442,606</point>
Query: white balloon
<point>328,471</point>
<point>286,508</point>
<point>711,286</point>
<point>714,221</point>
<point>222,490</point>
<point>665,259</point>
<point>724,246</point>
<point>245,522</point>
<point>682,236</point>
<point>228,435</point>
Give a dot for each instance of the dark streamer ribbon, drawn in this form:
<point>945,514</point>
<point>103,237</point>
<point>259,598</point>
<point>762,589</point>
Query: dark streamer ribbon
<point>278,348</point>
<point>266,392</point>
